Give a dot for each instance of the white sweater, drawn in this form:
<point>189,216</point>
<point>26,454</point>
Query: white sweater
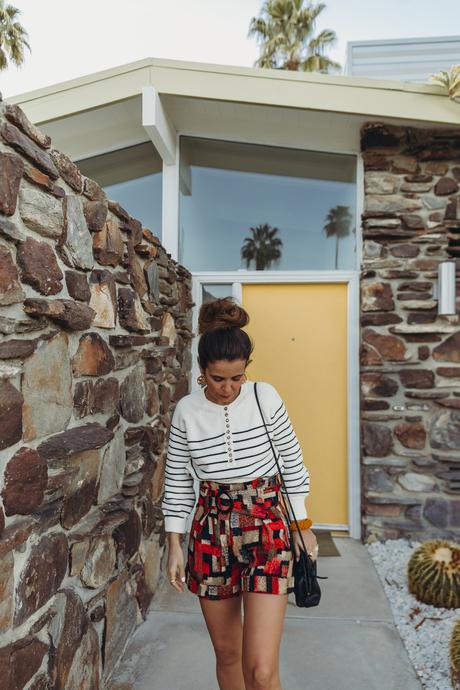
<point>228,443</point>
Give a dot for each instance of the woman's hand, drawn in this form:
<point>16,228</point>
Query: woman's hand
<point>175,569</point>
<point>310,543</point>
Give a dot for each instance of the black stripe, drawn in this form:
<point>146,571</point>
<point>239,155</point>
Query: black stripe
<point>294,476</point>
<point>280,428</point>
<point>208,455</point>
<point>251,438</point>
<point>275,419</point>
<point>176,478</point>
<point>278,409</point>
<point>209,438</point>
<point>176,467</point>
<point>295,486</point>
<point>290,433</point>
<point>289,460</point>
<point>264,443</point>
<point>177,440</point>
<point>171,446</point>
<point>260,426</point>
<point>180,493</point>
<point>177,429</point>
<point>261,463</point>
<point>216,445</point>
<point>284,445</point>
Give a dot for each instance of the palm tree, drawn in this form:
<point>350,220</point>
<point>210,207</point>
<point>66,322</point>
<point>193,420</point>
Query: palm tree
<point>338,222</point>
<point>285,29</point>
<point>12,36</point>
<point>262,247</point>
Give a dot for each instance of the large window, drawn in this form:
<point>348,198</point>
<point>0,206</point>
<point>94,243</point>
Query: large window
<point>133,177</point>
<point>246,206</point>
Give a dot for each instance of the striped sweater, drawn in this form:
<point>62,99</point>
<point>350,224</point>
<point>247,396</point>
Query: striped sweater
<point>227,443</point>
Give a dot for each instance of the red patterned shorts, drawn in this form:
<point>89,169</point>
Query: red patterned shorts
<point>239,540</point>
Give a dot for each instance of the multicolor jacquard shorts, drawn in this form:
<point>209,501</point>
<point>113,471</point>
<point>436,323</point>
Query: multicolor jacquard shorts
<point>239,540</point>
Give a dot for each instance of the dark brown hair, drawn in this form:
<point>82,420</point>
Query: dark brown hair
<point>220,324</point>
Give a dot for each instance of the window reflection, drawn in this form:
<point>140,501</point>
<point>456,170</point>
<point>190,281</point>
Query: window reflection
<point>133,177</point>
<point>263,248</point>
<point>338,226</point>
<point>245,206</point>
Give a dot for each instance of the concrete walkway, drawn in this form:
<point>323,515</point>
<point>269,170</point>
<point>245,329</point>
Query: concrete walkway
<point>348,642</point>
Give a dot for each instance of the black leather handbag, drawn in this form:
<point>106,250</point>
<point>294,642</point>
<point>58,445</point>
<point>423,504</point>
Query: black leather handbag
<point>306,586</point>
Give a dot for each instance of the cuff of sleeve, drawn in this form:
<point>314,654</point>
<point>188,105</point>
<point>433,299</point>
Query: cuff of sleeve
<point>298,506</point>
<point>175,524</point>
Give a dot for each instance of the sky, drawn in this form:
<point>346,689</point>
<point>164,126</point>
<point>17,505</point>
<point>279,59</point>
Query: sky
<point>73,39</point>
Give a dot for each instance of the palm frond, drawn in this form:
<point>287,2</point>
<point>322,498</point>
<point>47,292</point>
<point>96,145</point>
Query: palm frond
<point>450,80</point>
<point>13,37</point>
<point>319,63</point>
<point>322,40</point>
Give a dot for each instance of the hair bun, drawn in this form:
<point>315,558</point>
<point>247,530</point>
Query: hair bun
<point>221,313</point>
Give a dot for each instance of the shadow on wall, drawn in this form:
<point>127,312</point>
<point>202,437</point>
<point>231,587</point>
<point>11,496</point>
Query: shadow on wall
<point>96,327</point>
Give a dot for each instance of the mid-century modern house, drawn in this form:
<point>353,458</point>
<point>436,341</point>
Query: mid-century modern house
<point>329,206</point>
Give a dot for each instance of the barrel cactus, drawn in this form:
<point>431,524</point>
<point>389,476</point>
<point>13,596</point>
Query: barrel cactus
<point>454,655</point>
<point>433,573</point>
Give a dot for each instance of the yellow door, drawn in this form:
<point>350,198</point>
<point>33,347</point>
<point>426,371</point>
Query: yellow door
<point>300,336</point>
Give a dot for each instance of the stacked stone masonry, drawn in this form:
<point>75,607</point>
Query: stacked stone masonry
<point>410,356</point>
<point>95,324</point>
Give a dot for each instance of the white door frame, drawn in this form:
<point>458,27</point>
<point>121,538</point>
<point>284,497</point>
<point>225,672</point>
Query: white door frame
<point>351,279</point>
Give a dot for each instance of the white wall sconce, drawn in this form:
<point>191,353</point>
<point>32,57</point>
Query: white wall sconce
<point>446,289</point>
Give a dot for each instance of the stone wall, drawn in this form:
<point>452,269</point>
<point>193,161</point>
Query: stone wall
<point>410,356</point>
<point>95,323</point>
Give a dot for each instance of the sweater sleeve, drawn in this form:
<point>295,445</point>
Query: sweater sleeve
<point>179,495</point>
<point>295,473</point>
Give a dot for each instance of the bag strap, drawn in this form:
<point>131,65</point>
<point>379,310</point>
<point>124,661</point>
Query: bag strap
<point>279,470</point>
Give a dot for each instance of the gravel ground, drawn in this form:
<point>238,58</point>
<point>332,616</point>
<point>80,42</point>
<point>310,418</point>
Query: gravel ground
<point>425,630</point>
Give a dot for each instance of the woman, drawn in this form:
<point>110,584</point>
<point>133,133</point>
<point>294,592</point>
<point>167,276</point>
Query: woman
<point>239,544</point>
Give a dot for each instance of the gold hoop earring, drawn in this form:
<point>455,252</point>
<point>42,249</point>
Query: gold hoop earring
<point>201,380</point>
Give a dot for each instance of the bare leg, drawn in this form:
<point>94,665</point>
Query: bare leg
<point>224,623</point>
<point>263,626</point>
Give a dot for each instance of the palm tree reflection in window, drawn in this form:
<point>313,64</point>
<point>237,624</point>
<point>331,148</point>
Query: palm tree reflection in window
<point>262,247</point>
<point>338,222</point>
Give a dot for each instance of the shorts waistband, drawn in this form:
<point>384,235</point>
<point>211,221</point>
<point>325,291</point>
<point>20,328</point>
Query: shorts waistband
<point>257,496</point>
<point>210,486</point>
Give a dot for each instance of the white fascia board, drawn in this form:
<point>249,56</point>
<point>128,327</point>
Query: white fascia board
<point>320,92</point>
<point>158,126</point>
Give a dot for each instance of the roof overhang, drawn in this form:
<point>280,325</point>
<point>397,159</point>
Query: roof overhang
<point>103,111</point>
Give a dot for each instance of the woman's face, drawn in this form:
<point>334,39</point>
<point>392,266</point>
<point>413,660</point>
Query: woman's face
<point>224,379</point>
